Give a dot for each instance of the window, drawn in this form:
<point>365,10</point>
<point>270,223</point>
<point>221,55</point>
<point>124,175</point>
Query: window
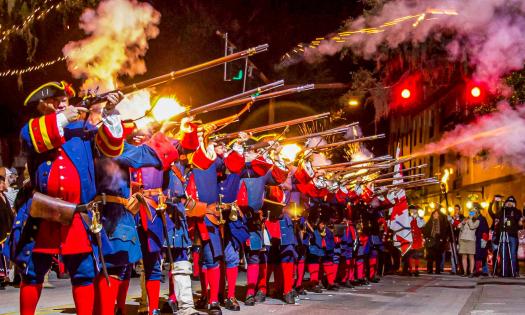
<point>421,126</point>
<point>431,166</point>
<point>431,126</point>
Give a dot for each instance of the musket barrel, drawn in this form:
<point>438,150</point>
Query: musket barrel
<point>276,125</point>
<point>340,143</point>
<point>269,95</point>
<point>175,74</point>
<point>403,170</point>
<point>328,132</point>
<point>261,89</point>
<point>352,163</point>
<point>187,71</point>
<point>204,108</point>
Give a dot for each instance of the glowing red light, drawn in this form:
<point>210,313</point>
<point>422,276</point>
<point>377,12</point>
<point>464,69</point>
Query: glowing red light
<point>405,93</point>
<point>475,91</point>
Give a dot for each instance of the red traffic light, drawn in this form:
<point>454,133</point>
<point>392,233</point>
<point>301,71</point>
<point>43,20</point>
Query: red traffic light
<point>405,93</point>
<point>475,92</point>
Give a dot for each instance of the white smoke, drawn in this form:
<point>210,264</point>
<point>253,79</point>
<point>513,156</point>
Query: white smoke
<point>501,133</point>
<point>118,33</point>
<point>488,32</point>
<point>318,159</point>
<point>358,151</point>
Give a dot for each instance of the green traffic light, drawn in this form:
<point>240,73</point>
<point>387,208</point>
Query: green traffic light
<point>238,76</point>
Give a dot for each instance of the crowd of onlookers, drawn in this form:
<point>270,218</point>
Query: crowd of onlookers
<point>466,240</point>
<point>8,191</point>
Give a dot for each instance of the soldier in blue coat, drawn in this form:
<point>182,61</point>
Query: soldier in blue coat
<point>321,249</point>
<point>254,178</point>
<point>118,218</point>
<point>60,150</point>
<point>235,229</point>
<point>181,294</point>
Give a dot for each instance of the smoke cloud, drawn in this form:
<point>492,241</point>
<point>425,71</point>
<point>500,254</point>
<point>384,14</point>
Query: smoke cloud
<point>318,159</point>
<point>489,33</point>
<point>118,33</point>
<point>501,133</point>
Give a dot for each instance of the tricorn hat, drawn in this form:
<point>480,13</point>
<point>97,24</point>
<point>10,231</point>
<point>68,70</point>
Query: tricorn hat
<point>48,90</point>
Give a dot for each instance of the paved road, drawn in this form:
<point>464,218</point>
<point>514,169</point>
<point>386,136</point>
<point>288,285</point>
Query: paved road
<point>428,294</point>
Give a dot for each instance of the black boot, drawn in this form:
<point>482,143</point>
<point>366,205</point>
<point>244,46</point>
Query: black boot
<point>202,303</point>
<point>332,287</point>
<point>260,296</point>
<point>348,284</point>
<point>317,289</point>
<point>169,307</point>
<point>214,308</point>
<point>232,304</point>
<point>289,298</point>
<point>250,300</point>
<point>300,291</point>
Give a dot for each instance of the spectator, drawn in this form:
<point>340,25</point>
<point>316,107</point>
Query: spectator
<point>435,232</point>
<point>455,220</point>
<point>415,252</point>
<point>506,226</point>
<point>482,238</point>
<point>12,187</point>
<point>467,240</point>
<point>6,221</point>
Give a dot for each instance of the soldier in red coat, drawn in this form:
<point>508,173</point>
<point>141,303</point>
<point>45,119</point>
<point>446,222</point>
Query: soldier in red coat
<point>60,150</point>
<point>416,250</point>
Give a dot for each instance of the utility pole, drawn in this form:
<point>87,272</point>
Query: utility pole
<point>261,75</point>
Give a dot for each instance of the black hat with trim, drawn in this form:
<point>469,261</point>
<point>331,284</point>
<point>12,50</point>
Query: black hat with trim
<point>49,90</point>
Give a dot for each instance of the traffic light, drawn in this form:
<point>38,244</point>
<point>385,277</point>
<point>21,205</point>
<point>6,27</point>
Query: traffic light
<point>239,76</point>
<point>406,94</point>
<point>476,92</point>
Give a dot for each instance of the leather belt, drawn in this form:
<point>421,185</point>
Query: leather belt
<point>152,192</point>
<point>114,199</point>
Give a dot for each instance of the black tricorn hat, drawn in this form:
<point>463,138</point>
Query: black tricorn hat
<point>511,199</point>
<point>274,208</point>
<point>48,90</point>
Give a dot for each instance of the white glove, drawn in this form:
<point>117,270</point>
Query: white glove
<point>238,148</point>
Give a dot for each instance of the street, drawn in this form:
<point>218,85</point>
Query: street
<point>428,294</point>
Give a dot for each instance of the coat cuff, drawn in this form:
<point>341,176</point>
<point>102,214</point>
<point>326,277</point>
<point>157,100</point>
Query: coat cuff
<point>234,162</point>
<point>45,133</point>
<point>164,149</point>
<point>108,143</point>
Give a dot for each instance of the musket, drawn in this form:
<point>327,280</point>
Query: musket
<point>253,92</point>
<point>95,228</point>
<point>400,160</point>
<point>333,131</point>
<point>403,170</point>
<point>341,143</point>
<point>207,108</point>
<point>161,211</point>
<point>424,181</point>
<point>352,163</point>
<point>340,129</point>
<point>90,100</point>
<point>384,180</point>
<point>302,88</point>
<point>273,126</point>
<point>420,184</point>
